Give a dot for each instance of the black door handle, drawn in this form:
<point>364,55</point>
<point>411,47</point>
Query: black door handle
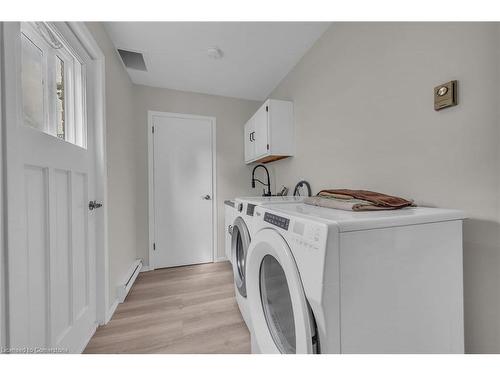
<point>93,205</point>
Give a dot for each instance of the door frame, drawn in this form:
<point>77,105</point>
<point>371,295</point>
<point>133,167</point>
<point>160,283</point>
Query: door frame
<point>11,114</point>
<point>151,203</point>
<point>3,247</point>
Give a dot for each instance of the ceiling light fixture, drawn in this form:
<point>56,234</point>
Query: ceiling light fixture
<point>215,53</point>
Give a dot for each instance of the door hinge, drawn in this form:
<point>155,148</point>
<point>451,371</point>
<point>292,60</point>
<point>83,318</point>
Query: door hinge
<point>268,146</point>
<point>267,108</point>
<point>154,246</point>
<point>153,129</point>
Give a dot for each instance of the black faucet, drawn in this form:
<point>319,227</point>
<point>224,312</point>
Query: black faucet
<point>268,194</point>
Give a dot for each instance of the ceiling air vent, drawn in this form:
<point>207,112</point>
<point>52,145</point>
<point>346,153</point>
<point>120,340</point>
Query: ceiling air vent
<point>132,60</point>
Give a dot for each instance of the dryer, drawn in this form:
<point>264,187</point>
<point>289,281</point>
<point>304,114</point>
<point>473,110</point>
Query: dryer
<point>321,280</point>
<point>242,231</point>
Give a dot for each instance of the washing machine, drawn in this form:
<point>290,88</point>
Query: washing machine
<point>241,234</point>
<point>320,280</point>
<point>230,214</point>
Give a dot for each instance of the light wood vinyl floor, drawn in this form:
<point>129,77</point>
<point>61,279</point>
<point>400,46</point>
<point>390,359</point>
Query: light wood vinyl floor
<point>189,309</point>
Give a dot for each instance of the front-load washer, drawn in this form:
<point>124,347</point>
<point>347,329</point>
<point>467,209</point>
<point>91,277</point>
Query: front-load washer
<point>321,280</point>
<point>242,232</point>
<point>230,214</point>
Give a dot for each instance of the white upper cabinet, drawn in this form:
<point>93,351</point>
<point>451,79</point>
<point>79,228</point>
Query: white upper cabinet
<point>249,143</point>
<point>269,134</point>
<point>260,138</point>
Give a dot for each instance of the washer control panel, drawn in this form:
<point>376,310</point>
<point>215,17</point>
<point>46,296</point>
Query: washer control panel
<point>279,221</point>
<point>307,235</point>
<point>304,234</point>
<point>250,209</point>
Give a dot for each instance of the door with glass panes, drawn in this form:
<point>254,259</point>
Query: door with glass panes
<point>50,181</point>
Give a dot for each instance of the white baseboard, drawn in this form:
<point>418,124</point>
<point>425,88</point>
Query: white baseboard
<point>216,260</point>
<point>146,268</point>
<point>111,311</point>
<point>123,288</point>
<point>87,339</point>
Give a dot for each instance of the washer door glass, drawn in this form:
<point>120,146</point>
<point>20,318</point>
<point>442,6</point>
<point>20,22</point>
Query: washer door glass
<point>277,304</point>
<point>240,240</point>
<point>240,256</point>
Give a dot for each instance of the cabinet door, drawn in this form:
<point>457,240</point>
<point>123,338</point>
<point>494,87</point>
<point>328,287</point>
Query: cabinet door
<point>248,141</point>
<point>261,129</point>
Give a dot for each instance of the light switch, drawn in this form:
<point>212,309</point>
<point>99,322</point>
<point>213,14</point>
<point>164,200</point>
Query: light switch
<point>445,95</point>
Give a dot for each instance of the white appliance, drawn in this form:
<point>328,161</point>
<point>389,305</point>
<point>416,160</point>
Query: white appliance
<point>229,216</point>
<point>242,231</point>
<point>331,281</point>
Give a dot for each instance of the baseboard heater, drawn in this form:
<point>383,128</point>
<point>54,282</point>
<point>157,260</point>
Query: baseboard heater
<point>123,289</point>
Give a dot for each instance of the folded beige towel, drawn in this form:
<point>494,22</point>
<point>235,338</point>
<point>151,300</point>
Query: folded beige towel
<point>357,200</point>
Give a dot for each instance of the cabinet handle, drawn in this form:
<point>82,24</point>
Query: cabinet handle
<point>250,137</point>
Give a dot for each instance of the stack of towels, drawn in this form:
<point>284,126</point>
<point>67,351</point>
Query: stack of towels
<point>357,200</point>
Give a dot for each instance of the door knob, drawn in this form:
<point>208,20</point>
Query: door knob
<point>206,197</point>
<point>93,205</point>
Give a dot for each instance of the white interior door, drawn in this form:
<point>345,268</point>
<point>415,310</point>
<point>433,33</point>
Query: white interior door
<point>183,190</point>
<point>50,230</point>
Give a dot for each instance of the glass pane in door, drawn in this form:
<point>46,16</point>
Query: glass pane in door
<point>277,304</point>
<point>60,99</point>
<point>32,84</point>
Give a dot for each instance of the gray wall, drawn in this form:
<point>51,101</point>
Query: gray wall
<point>233,177</point>
<point>365,119</point>
<point>126,119</point>
<point>122,172</point>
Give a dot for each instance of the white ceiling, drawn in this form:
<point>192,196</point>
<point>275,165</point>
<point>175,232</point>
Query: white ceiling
<point>257,55</point>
